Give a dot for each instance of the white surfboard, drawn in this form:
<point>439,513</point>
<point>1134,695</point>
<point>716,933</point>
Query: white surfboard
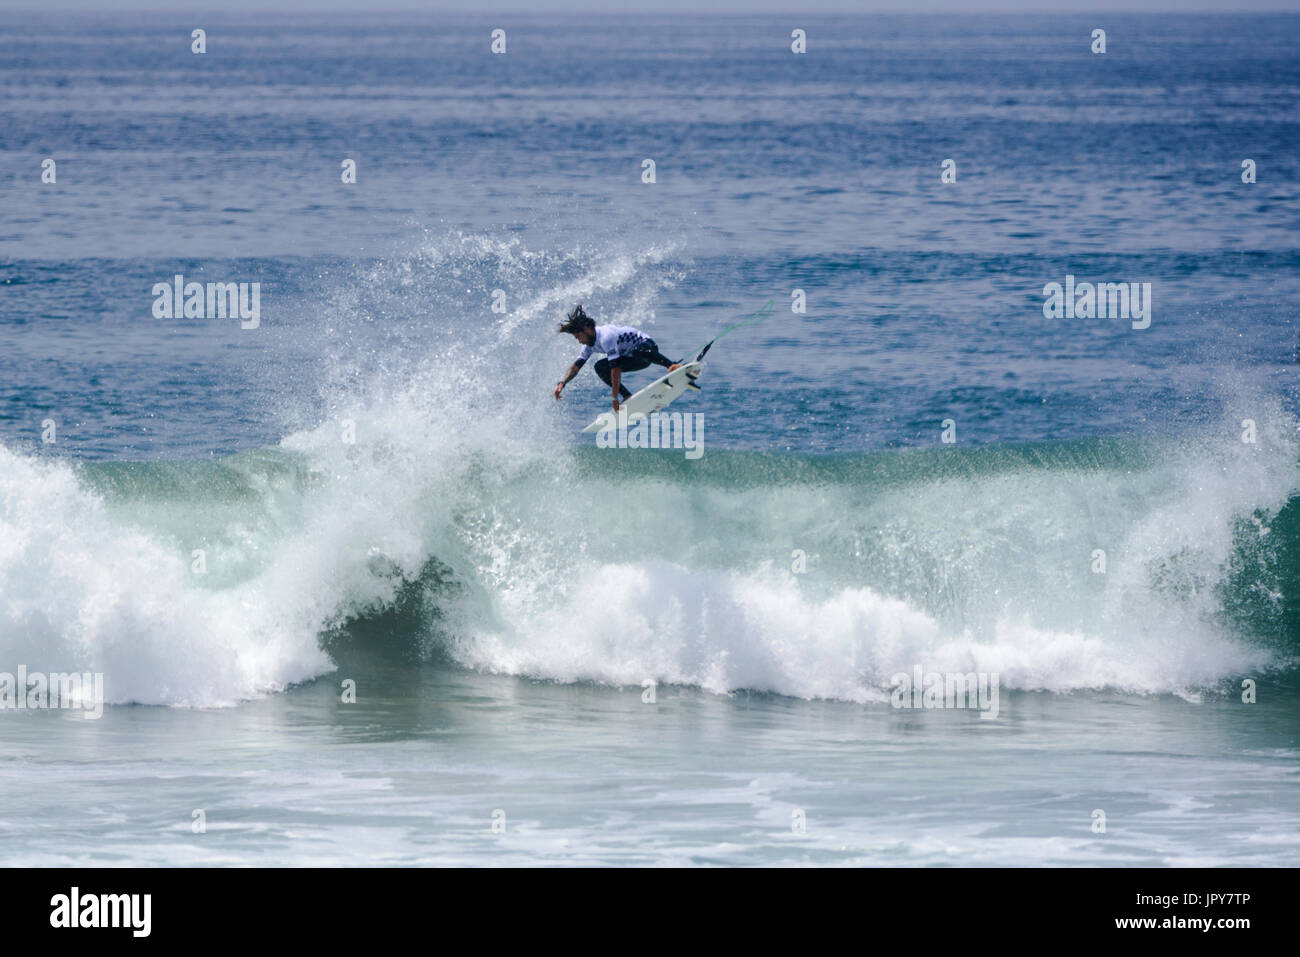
<point>653,397</point>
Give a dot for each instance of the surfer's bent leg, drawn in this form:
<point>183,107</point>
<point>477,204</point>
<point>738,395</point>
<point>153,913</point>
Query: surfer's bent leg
<point>603,367</point>
<point>649,351</point>
<point>645,354</point>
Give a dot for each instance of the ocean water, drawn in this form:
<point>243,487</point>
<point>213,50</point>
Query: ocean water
<point>565,654</point>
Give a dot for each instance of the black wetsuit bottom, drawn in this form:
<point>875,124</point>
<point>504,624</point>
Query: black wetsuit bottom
<point>645,354</point>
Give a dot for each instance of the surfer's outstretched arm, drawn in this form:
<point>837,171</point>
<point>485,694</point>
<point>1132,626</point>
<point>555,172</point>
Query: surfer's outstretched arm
<point>559,386</point>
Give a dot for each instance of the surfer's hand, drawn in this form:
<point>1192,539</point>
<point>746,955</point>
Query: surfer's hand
<point>674,367</point>
<point>616,405</point>
<point>559,387</point>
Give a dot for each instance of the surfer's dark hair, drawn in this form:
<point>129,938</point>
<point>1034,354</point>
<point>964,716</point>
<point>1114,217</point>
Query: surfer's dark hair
<point>577,321</point>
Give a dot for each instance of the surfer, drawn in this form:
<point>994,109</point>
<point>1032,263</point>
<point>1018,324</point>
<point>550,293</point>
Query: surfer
<point>626,350</point>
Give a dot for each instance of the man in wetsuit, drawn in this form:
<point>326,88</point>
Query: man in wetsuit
<point>626,350</point>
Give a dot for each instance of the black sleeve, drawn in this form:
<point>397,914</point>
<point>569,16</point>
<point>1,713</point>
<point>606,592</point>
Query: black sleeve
<point>578,363</point>
<point>658,358</point>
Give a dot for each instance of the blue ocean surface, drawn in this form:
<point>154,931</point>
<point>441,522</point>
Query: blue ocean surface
<point>356,583</point>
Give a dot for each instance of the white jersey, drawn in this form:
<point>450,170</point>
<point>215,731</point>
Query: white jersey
<point>614,341</point>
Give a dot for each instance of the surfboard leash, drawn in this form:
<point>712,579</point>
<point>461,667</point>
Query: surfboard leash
<point>763,313</point>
